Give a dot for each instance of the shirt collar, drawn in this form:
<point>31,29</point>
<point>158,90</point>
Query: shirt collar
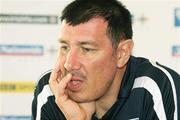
<point>128,78</point>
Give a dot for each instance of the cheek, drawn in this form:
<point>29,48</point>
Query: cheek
<point>101,72</point>
<point>100,77</point>
<point>104,65</point>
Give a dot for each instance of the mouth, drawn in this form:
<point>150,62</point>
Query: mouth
<point>75,84</point>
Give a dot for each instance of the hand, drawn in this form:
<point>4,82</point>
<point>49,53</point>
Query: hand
<point>71,109</point>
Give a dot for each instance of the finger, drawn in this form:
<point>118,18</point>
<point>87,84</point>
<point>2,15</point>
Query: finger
<point>56,66</point>
<point>88,105</point>
<point>63,82</point>
<point>89,108</point>
<point>62,94</point>
<point>55,73</point>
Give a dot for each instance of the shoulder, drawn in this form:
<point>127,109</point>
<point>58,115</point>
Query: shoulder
<point>43,81</point>
<point>156,72</point>
<point>161,83</point>
<point>154,76</point>
<point>43,105</point>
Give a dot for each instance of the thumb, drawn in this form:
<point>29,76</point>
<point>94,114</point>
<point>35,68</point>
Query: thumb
<point>89,108</point>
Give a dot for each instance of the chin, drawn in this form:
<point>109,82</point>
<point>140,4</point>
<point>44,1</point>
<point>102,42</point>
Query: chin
<point>79,98</point>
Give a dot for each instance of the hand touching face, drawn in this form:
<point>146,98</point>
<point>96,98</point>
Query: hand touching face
<point>87,53</point>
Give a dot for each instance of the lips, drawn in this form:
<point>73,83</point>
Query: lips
<point>75,84</point>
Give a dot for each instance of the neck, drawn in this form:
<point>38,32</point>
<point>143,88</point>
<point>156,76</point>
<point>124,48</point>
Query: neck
<point>105,103</point>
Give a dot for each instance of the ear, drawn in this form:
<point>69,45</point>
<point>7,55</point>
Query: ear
<point>124,50</point>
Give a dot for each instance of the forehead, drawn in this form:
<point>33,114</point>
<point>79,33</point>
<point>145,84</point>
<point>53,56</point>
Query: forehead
<point>95,27</point>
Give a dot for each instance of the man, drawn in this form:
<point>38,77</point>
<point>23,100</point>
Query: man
<point>96,77</point>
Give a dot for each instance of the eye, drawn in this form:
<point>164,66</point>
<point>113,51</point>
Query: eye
<point>64,48</point>
<point>86,50</point>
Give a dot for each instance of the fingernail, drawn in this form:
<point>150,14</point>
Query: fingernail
<point>56,67</point>
<point>69,75</point>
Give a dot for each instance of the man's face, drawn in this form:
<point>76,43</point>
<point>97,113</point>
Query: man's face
<point>87,53</point>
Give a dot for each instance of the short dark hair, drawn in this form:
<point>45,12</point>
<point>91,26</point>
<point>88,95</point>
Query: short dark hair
<point>112,11</point>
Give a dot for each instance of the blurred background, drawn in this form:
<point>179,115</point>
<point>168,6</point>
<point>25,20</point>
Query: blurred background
<point>28,44</point>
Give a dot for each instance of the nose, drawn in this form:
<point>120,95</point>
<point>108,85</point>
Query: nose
<point>72,61</point>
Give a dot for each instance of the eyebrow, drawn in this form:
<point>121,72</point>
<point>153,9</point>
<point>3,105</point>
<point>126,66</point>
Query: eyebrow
<point>85,42</point>
<point>62,41</point>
